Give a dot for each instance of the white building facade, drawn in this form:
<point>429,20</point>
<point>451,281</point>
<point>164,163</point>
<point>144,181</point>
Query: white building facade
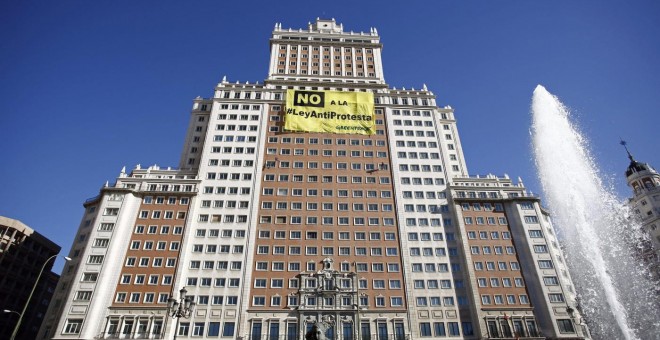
<point>283,235</point>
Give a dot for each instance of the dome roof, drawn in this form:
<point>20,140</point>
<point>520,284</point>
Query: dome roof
<point>636,166</point>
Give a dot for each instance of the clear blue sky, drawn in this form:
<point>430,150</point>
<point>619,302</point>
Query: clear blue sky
<point>87,87</point>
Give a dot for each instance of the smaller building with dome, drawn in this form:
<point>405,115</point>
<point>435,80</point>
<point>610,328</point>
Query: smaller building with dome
<point>644,180</point>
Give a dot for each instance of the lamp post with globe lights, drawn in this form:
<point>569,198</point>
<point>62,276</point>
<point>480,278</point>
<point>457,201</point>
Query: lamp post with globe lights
<point>180,309</point>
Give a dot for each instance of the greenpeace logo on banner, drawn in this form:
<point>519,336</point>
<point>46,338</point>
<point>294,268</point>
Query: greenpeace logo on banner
<point>330,111</point>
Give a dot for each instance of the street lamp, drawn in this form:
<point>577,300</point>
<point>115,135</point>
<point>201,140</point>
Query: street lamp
<point>11,311</point>
<point>180,309</point>
<point>27,303</point>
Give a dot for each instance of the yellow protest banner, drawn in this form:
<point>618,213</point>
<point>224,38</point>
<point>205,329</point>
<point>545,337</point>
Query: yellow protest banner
<point>330,111</point>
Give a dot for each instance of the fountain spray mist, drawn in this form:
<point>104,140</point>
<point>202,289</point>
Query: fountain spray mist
<point>613,287</point>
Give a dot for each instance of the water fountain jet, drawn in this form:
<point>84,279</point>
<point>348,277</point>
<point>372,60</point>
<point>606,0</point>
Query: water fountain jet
<point>615,292</point>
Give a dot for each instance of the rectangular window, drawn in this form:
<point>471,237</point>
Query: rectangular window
<point>425,329</point>
<point>545,264</point>
<point>89,277</point>
<point>531,219</point>
<point>550,281</point>
<point>540,248</point>
<point>228,329</point>
<point>565,326</point>
<point>73,326</point>
<point>101,242</point>
<point>111,211</point>
<point>556,297</point>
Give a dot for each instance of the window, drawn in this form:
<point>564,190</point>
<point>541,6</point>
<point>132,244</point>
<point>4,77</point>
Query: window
<point>545,264</point>
<point>228,329</point>
<point>89,277</point>
<point>550,281</point>
<point>95,259</point>
<point>535,234</point>
<point>531,219</point>
<point>523,299</point>
<point>540,248</point>
<point>259,301</point>
<point>527,206</point>
<point>198,329</point>
<point>101,242</point>
<point>565,326</point>
<point>425,329</point>
<point>120,298</point>
<point>511,299</point>
<point>106,226</point>
<point>482,282</point>
<point>83,295</point>
<point>73,326</point>
<point>110,212</point>
<point>184,328</point>
<point>556,297</point>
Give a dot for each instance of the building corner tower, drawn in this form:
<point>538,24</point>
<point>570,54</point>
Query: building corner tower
<point>644,181</point>
<point>281,234</point>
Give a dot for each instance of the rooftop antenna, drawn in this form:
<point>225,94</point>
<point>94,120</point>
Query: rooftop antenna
<point>624,143</point>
